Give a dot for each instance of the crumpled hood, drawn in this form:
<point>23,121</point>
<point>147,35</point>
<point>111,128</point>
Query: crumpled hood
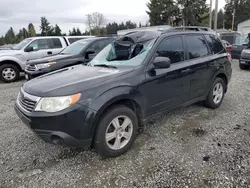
<point>71,80</point>
<point>48,59</point>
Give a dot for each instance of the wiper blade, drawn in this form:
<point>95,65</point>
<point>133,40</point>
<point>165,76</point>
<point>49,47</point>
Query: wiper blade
<point>104,65</point>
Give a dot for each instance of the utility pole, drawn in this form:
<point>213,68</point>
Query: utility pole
<point>233,19</point>
<point>216,14</point>
<point>211,14</point>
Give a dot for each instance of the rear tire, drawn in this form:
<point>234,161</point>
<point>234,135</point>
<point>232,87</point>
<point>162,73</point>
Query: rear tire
<point>9,73</point>
<point>216,94</point>
<point>116,131</point>
<point>243,67</point>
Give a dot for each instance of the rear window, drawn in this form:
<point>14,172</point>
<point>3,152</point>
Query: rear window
<point>56,43</point>
<point>215,44</point>
<point>196,46</point>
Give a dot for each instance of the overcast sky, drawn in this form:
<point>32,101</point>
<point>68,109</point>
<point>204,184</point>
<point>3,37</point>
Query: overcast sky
<point>69,13</point>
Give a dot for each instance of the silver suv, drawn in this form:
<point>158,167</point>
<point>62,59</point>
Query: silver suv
<point>13,61</point>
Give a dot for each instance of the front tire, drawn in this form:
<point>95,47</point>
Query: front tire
<point>116,131</point>
<point>9,73</point>
<point>216,94</point>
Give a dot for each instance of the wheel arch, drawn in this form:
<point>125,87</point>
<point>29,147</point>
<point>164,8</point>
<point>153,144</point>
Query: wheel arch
<point>4,62</point>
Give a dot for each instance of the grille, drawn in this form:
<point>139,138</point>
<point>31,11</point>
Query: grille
<point>26,102</point>
<point>31,67</point>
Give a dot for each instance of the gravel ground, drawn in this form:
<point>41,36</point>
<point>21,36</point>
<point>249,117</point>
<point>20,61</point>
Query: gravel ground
<point>190,147</point>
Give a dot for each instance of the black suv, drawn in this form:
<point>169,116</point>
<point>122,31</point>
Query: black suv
<point>80,52</point>
<point>134,78</point>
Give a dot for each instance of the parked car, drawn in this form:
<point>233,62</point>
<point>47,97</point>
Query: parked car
<point>227,45</point>
<point>80,52</point>
<point>136,77</point>
<point>244,62</point>
<point>13,61</point>
<point>239,47</point>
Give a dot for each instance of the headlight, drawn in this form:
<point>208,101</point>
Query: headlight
<point>45,65</point>
<point>55,104</point>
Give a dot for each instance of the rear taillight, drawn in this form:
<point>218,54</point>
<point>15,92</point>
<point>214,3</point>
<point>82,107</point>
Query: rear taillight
<point>229,49</point>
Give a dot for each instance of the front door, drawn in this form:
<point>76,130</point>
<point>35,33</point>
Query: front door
<point>168,88</point>
<point>41,48</point>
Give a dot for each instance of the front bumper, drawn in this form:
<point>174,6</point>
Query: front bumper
<point>36,73</point>
<point>245,61</point>
<point>71,128</point>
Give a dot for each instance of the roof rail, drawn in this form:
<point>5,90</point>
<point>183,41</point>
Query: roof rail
<point>188,28</point>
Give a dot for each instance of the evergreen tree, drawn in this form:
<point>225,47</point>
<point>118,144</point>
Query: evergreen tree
<point>130,25</point>
<point>25,33</point>
<point>160,11</point>
<point>57,31</point>
<point>242,12</point>
<point>74,32</point>
<point>45,27</point>
<point>193,11</point>
<point>10,37</point>
<point>220,19</point>
<point>121,26</point>
<point>31,30</point>
<point>112,28</point>
<point>78,32</point>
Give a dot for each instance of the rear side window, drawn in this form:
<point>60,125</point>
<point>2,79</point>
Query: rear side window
<point>197,46</point>
<point>56,43</point>
<point>215,44</point>
<point>172,48</point>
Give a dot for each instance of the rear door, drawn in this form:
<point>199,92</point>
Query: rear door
<point>56,46</point>
<point>198,55</point>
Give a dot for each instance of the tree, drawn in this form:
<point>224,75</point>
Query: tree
<point>193,12</point>
<point>140,25</point>
<point>95,21</point>
<point>10,37</point>
<point>45,27</point>
<point>161,11</point>
<point>220,21</point>
<point>2,40</point>
<point>25,33</point>
<point>130,25</point>
<point>112,28</point>
<point>121,26</point>
<point>78,32</point>
<point>57,30</point>
<point>242,13</point>
<point>31,30</point>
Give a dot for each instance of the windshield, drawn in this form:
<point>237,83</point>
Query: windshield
<point>76,47</point>
<point>21,44</point>
<point>123,54</point>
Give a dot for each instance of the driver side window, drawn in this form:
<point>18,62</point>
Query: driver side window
<point>172,48</point>
<point>40,44</point>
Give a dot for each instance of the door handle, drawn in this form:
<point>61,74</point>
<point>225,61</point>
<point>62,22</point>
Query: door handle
<point>49,52</point>
<point>186,71</point>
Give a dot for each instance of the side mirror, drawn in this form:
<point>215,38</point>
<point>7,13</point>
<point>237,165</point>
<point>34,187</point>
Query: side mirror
<point>29,49</point>
<point>161,62</point>
<point>88,52</point>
